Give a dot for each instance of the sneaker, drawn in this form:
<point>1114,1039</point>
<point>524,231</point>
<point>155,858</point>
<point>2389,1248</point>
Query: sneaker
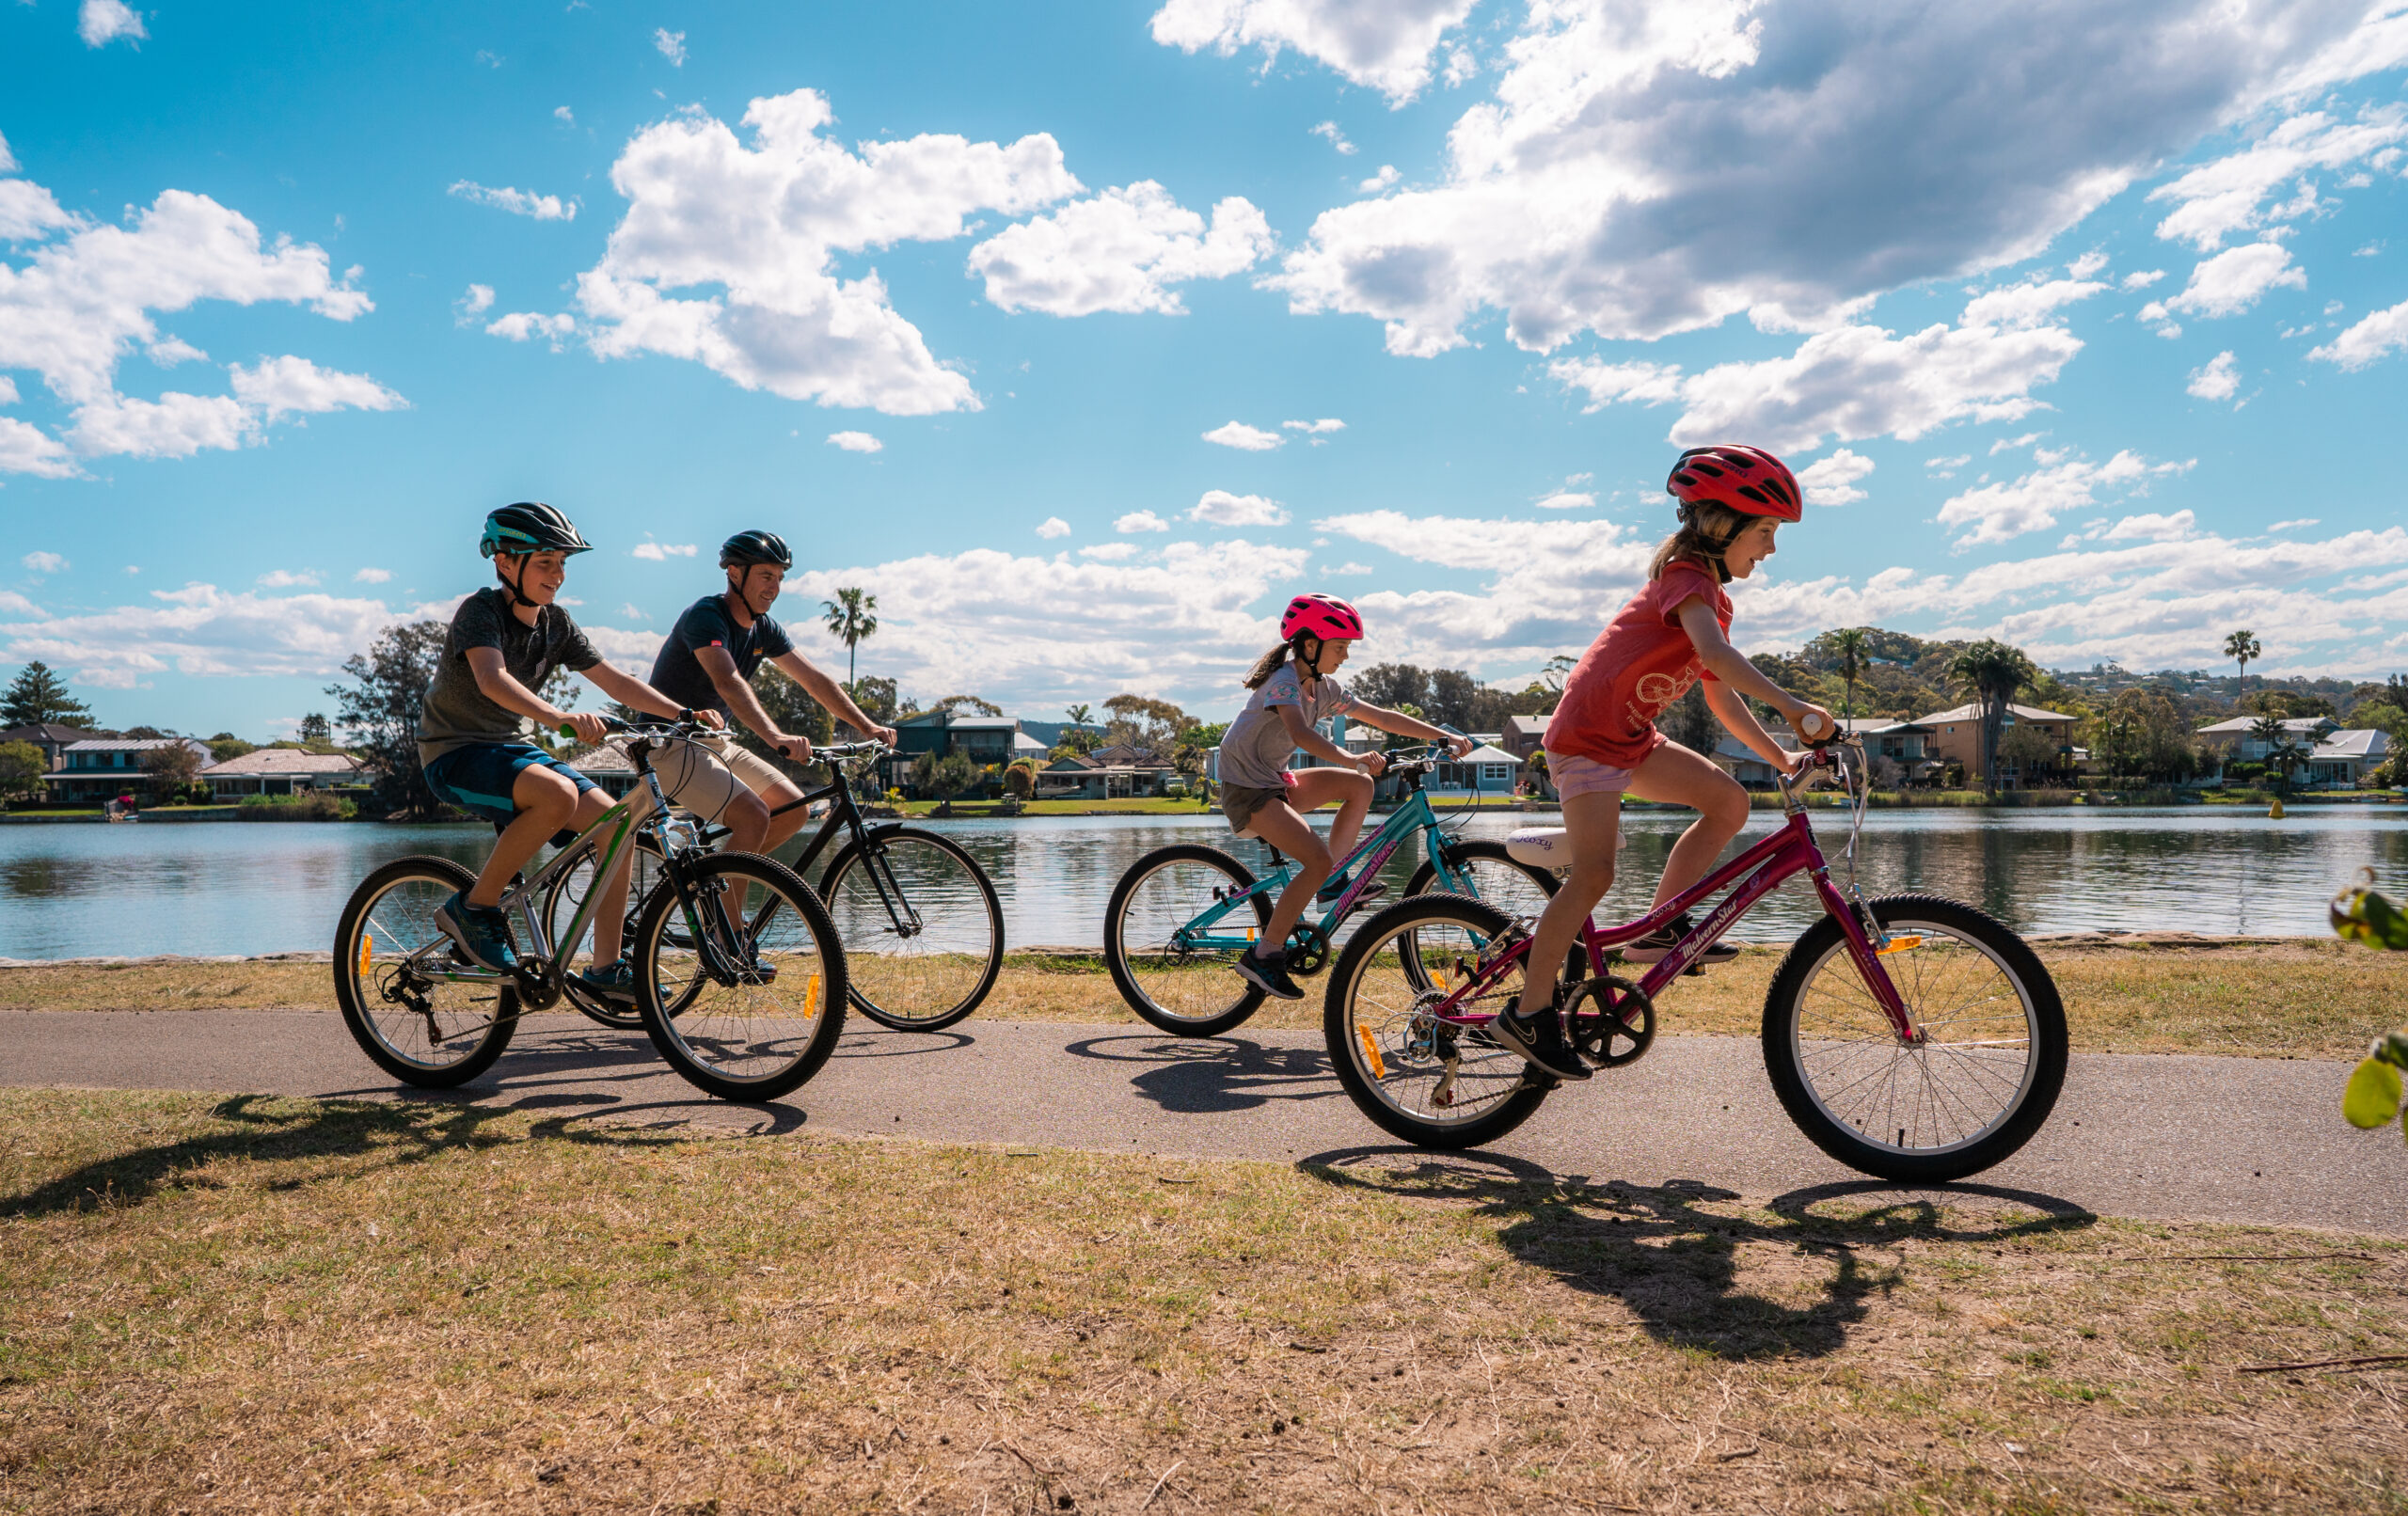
<point>480,932</point>
<point>1328,894</point>
<point>613,981</point>
<point>1269,975</point>
<point>1540,1041</point>
<point>1657,945</point>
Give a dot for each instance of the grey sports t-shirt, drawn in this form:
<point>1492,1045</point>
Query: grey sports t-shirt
<point>1255,749</point>
<point>457,712</point>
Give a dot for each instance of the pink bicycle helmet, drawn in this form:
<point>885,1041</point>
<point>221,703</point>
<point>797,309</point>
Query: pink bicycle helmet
<point>1748,480</point>
<point>1324,616</point>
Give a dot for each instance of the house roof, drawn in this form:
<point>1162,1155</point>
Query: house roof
<point>1486,754</point>
<point>1023,742</point>
<point>1069,763</point>
<point>1869,726</point>
<point>285,761</point>
<point>141,745</point>
<point>983,723</point>
<point>605,759</point>
<point>45,732</point>
<point>2352,742</point>
<point>2297,726</point>
<point>1527,726</point>
<point>1973,713</point>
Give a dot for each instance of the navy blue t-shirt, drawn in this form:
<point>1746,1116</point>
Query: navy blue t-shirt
<point>678,674</point>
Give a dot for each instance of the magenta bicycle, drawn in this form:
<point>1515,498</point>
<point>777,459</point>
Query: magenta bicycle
<point>1912,1038</point>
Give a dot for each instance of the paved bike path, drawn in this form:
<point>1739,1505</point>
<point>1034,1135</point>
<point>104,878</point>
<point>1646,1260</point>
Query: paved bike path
<point>2166,1137</point>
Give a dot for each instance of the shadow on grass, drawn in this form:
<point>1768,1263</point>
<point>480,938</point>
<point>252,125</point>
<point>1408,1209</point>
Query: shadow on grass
<point>1675,1264</point>
<point>1207,1076</point>
<point>265,1129</point>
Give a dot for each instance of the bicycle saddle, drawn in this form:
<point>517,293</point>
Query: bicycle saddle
<point>1547,848</point>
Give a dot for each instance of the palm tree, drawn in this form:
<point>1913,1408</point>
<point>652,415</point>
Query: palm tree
<point>1080,715</point>
<point>1850,643</point>
<point>2242,647</point>
<point>1993,673</point>
<point>849,621</point>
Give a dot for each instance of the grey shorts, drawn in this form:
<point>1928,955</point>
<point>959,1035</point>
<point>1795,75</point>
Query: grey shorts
<point>705,775</point>
<point>1238,803</point>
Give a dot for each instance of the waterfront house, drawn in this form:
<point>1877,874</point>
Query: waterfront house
<point>2338,757</point>
<point>1954,736</point>
<point>2233,741</point>
<point>1524,735</point>
<point>99,769</point>
<point>51,738</point>
<point>280,771</point>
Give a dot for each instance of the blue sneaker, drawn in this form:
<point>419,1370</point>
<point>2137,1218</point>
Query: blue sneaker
<point>615,980</point>
<point>1329,893</point>
<point>480,932</point>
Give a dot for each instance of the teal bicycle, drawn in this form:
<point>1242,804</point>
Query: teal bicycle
<point>1180,916</point>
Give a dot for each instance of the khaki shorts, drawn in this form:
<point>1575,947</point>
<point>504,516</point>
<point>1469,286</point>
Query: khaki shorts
<point>1238,803</point>
<point>704,776</point>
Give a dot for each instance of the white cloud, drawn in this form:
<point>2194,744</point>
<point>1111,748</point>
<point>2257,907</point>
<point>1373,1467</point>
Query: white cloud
<point>2301,521</point>
<point>1109,552</point>
<point>520,325</point>
<point>288,579</point>
<point>204,631</point>
<point>288,386</point>
<point>631,611</point>
<point>474,304</point>
<point>373,575</point>
<point>516,201</point>
<point>1327,423</point>
<point>855,442</point>
<point>761,225</point>
<point>1140,521</point>
<point>25,449</point>
<point>670,45</point>
<point>100,23</point>
<point>1053,527</point>
<point>1244,438</point>
<point>653,552</point>
<point>2087,265</point>
<point>44,562</point>
<point>16,605</point>
<point>2034,501</point>
<point>1380,44</point>
<point>1118,251</point>
<point>1220,508</point>
<point>2231,282</point>
<point>8,160</point>
<point>1337,138</point>
<point>1566,500</point>
<point>2153,527</point>
<point>1646,171</point>
<point>169,351</point>
<point>2373,337</point>
<point>1832,481</point>
<point>1381,182</point>
<point>2218,380</point>
<point>1857,382</point>
<point>1947,464</point>
<point>564,116</point>
<point>2228,195</point>
<point>175,425</point>
<point>1349,568</point>
<point>2143,280</point>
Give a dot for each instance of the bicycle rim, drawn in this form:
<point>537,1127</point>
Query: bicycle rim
<point>1180,982</point>
<point>1435,1076</point>
<point>922,930</point>
<point>1971,1075</point>
<point>424,1026</point>
<point>741,1031</point>
<point>561,903</point>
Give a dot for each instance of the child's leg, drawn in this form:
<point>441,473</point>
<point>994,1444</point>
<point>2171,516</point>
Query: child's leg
<point>1593,825</point>
<point>1344,788</point>
<point>1283,829</point>
<point>546,802</point>
<point>1674,774</point>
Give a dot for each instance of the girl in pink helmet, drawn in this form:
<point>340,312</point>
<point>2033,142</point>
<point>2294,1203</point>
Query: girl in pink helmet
<point>1295,689</point>
<point>1603,742</point>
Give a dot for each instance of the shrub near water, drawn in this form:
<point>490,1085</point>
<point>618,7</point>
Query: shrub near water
<point>315,806</point>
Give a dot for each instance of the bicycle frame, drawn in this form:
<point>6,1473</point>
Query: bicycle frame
<point>844,816</point>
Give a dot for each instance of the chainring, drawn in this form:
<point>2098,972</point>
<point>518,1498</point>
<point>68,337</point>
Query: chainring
<point>1610,1021</point>
<point>1308,950</point>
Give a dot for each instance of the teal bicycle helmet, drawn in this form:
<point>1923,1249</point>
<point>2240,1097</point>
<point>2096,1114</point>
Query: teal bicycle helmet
<point>531,526</point>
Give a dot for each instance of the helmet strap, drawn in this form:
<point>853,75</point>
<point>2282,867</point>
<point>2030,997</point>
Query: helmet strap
<point>517,597</point>
<point>741,588</point>
<point>1310,664</point>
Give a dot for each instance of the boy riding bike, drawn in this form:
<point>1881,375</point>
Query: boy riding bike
<point>1602,741</point>
<point>708,662</point>
<point>504,644</point>
<point>1294,691</point>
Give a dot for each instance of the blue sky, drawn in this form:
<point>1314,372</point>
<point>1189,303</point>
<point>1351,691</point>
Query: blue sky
<point>2083,319</point>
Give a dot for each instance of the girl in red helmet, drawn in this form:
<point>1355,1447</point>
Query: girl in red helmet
<point>1294,690</point>
<point>1602,741</point>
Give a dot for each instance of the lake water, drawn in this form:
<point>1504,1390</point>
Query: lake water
<point>90,890</point>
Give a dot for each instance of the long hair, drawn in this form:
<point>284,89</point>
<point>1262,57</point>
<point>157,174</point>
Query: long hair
<point>1707,527</point>
<point>1267,665</point>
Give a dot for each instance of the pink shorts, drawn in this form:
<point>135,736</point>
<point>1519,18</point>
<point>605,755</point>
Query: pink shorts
<point>1574,775</point>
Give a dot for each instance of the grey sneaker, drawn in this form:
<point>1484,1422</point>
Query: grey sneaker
<point>480,932</point>
<point>1269,975</point>
<point>1540,1041</point>
<point>1657,945</point>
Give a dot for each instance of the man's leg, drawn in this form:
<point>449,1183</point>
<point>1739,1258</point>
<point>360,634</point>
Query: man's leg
<point>1592,825</point>
<point>1674,774</point>
<point>783,823</point>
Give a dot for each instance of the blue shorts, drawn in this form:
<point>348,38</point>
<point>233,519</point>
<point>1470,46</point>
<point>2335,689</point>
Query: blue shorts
<point>479,777</point>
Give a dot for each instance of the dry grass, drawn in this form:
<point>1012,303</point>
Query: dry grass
<point>2298,998</point>
<point>278,1304</point>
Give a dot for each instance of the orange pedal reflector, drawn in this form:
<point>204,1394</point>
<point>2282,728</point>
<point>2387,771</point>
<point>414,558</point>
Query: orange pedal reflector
<point>811,997</point>
<point>1899,944</point>
<point>1372,1050</point>
<point>367,946</point>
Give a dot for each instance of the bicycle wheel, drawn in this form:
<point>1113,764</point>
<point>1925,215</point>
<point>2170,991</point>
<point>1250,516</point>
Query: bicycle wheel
<point>430,1032</point>
<point>744,1006</point>
<point>1188,991</point>
<point>1430,1082</point>
<point>922,928</point>
<point>1498,878</point>
<point>1975,1088</point>
<point>561,903</point>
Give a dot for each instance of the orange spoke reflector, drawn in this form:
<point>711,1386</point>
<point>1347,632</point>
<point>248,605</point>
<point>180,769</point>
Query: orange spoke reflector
<point>1899,944</point>
<point>811,998</point>
<point>367,945</point>
<point>1372,1050</point>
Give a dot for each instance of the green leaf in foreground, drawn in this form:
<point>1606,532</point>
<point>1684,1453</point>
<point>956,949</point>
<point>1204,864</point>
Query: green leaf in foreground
<point>2372,1097</point>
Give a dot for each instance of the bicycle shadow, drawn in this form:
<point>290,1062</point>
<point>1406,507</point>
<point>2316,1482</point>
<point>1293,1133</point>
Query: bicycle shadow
<point>1211,1076</point>
<point>878,1042</point>
<point>1679,1267</point>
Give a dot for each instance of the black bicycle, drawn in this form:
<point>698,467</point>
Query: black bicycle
<point>921,926</point>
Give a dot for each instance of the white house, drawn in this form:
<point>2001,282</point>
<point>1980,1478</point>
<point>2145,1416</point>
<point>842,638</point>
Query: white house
<point>279,771</point>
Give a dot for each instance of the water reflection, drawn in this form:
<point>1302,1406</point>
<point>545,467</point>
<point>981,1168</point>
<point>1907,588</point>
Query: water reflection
<point>74,891</point>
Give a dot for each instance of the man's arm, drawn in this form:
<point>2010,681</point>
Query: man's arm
<point>1733,668</point>
<point>720,665</point>
<point>831,694</point>
<point>631,691</point>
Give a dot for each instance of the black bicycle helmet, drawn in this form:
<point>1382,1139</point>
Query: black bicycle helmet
<point>747,549</point>
<point>531,526</point>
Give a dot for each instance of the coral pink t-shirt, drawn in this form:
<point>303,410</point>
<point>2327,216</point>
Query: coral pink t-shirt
<point>1640,663</point>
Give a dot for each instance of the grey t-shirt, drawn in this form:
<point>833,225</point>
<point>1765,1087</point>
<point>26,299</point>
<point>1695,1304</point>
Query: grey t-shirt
<point>457,712</point>
<point>1255,749</point>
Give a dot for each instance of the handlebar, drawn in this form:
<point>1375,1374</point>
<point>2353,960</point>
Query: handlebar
<point>687,724</point>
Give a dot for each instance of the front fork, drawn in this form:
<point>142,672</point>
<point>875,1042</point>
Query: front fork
<point>1867,939</point>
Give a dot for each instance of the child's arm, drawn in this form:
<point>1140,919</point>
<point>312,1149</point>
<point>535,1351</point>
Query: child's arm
<point>1737,674</point>
<point>1734,714</point>
<point>1303,735</point>
<point>499,686</point>
<point>629,690</point>
<point>1405,726</point>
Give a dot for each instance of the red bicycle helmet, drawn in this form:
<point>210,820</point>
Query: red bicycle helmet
<point>1748,480</point>
<point>1324,616</point>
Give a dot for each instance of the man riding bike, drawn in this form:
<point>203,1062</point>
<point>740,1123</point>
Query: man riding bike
<point>708,662</point>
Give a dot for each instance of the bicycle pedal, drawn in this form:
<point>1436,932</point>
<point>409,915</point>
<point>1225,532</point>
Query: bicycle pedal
<point>1695,970</point>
